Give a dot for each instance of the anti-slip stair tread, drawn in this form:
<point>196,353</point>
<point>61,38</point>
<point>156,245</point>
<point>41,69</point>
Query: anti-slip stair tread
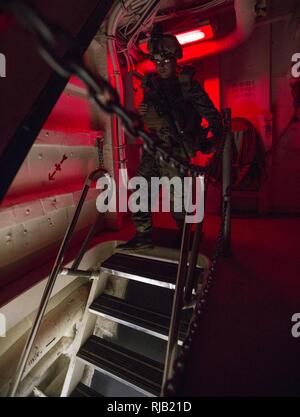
<point>140,371</point>
<point>84,391</point>
<point>150,269</point>
<point>125,312</point>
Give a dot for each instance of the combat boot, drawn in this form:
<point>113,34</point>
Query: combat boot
<point>139,241</point>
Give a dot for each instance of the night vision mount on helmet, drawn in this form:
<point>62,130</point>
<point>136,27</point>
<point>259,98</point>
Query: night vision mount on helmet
<point>162,46</point>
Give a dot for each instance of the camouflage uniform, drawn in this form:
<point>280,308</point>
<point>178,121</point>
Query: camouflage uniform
<point>175,106</point>
<point>184,100</point>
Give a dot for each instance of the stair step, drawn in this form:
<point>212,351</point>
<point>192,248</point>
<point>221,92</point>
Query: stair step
<point>147,270</point>
<point>84,391</point>
<point>135,370</point>
<point>143,319</point>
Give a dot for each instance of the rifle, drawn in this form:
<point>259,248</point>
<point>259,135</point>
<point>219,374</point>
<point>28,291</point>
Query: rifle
<point>179,138</point>
<point>164,108</point>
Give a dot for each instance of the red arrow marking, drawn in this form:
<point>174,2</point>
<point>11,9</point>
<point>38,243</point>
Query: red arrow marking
<point>64,158</point>
<point>57,168</point>
<point>51,176</point>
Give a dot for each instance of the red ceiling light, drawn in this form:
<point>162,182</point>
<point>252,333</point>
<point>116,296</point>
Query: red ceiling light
<point>189,37</point>
<point>196,35</point>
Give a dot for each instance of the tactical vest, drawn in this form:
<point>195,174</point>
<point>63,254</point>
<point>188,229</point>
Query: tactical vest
<point>169,100</point>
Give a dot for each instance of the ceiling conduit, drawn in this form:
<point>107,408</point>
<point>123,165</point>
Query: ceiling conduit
<point>245,23</point>
<point>118,138</point>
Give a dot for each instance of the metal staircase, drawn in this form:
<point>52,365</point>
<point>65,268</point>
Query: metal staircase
<point>143,319</point>
<point>150,271</point>
<point>147,274</point>
<point>84,391</point>
<point>172,280</point>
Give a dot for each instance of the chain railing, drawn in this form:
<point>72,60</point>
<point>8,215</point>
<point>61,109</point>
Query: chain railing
<point>172,385</point>
<point>185,282</point>
<point>50,37</point>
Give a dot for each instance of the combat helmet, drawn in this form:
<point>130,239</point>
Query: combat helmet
<point>162,45</point>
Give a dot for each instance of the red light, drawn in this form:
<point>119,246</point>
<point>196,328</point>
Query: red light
<point>189,37</point>
<point>205,32</point>
<point>196,35</point>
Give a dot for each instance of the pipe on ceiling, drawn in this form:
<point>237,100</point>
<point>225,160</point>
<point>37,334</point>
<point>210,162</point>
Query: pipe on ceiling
<point>245,23</point>
<point>118,139</point>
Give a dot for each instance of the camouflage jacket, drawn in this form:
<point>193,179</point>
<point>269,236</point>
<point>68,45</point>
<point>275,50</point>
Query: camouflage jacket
<point>179,105</point>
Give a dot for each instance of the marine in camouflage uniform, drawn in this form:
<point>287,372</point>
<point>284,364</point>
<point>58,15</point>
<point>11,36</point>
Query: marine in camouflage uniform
<point>172,108</point>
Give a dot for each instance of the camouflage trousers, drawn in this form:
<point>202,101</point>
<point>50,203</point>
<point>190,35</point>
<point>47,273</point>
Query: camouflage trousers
<point>150,167</point>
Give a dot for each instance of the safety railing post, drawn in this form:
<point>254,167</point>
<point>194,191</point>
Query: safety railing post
<point>171,352</point>
<point>178,299</point>
<point>192,278</point>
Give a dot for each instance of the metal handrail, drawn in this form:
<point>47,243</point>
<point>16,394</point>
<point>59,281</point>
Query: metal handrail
<point>171,352</point>
<point>57,268</point>
<point>185,280</point>
<point>191,279</point>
